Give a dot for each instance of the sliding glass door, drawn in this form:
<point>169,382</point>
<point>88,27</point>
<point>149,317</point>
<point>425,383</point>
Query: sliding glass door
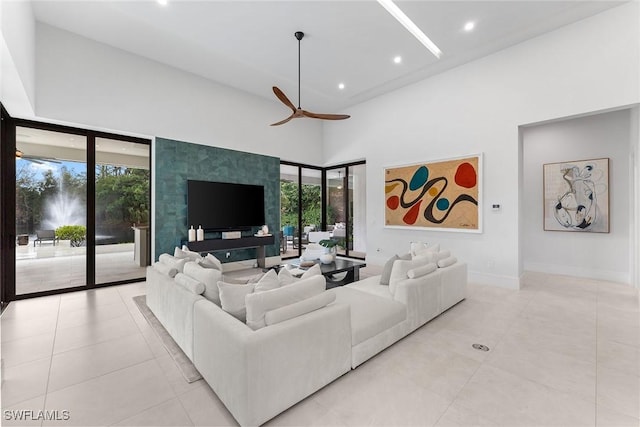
<point>82,208</point>
<point>122,210</point>
<point>51,210</point>
<point>346,208</point>
<point>331,200</point>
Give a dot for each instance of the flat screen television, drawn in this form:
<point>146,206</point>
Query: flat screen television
<point>218,206</point>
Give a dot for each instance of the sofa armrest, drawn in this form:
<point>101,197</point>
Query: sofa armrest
<point>454,285</point>
<point>173,306</point>
<point>422,298</point>
<point>258,374</point>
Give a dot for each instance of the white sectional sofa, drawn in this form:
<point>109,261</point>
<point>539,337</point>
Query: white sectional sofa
<point>380,318</point>
<point>260,373</point>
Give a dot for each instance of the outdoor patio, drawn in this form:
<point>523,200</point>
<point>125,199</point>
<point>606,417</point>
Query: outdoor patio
<point>47,266</point>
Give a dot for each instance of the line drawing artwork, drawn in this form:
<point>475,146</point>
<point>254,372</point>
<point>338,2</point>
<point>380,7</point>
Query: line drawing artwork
<point>443,195</point>
<point>576,196</point>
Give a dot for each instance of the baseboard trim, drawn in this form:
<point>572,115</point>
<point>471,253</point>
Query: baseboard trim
<point>563,270</point>
<point>498,280</point>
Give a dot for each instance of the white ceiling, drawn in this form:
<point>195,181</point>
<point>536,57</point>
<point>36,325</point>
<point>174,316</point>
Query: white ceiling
<point>249,45</point>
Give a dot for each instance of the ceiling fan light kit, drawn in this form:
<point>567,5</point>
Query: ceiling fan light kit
<point>299,112</point>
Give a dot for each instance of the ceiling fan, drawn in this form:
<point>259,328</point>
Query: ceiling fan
<point>35,159</point>
<point>299,112</point>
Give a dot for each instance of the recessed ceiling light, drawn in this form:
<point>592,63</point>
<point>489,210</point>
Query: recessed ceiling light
<point>397,59</point>
<point>410,26</point>
<point>469,26</point>
<point>163,2</point>
<point>341,86</point>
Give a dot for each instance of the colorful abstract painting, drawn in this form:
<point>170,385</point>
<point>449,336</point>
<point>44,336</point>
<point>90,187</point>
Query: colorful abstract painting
<point>441,194</point>
<point>576,196</point>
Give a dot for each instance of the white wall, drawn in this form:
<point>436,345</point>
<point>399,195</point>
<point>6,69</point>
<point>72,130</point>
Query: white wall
<point>581,254</point>
<point>589,66</point>
<point>82,81</point>
<point>17,57</point>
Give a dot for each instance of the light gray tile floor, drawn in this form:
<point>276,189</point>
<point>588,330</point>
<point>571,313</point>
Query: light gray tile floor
<point>564,352</point>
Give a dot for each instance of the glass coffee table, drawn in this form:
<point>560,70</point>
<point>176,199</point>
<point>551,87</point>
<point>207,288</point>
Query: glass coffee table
<point>332,272</point>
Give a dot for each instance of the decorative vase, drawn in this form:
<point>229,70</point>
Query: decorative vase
<point>192,234</point>
<point>326,258</point>
<point>200,233</point>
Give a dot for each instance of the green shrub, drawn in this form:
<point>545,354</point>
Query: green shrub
<point>76,234</point>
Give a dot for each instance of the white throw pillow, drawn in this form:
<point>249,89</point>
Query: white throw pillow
<point>400,270</point>
<point>208,276</point>
<point>267,282</point>
<point>285,277</point>
<point>259,303</point>
<point>313,271</point>
<point>171,261</point>
<point>165,269</point>
<point>426,253</point>
<point>386,271</point>
<point>414,247</point>
<point>190,283</point>
<point>423,270</point>
<point>446,262</point>
<point>186,253</point>
<point>232,299</point>
<point>299,308</point>
<point>211,262</point>
<point>443,255</point>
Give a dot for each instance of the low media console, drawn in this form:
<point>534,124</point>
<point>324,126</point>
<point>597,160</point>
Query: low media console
<point>212,245</point>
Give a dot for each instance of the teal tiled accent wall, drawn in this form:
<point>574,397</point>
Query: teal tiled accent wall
<point>177,161</point>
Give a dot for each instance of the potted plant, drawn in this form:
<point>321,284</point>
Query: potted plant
<point>330,250</point>
<point>76,234</point>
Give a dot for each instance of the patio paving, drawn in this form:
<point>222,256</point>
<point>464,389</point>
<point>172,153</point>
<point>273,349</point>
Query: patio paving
<point>47,267</point>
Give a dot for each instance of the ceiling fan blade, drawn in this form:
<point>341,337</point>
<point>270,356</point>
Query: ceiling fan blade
<point>281,122</point>
<point>325,116</point>
<point>283,98</point>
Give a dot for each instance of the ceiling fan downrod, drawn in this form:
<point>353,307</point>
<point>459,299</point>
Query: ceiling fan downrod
<point>299,35</point>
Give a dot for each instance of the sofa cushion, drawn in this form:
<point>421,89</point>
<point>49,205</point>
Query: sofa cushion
<point>165,269</point>
<point>420,246</point>
<point>372,286</point>
<point>285,277</point>
<point>370,314</point>
<point>267,282</point>
<point>386,271</point>
<point>171,261</point>
<point>446,262</point>
<point>423,270</point>
<point>186,253</point>
<point>299,308</point>
<point>208,276</point>
<point>259,303</point>
<point>401,268</point>
<point>211,262</point>
<point>190,284</point>
<point>311,272</point>
<point>232,299</point>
